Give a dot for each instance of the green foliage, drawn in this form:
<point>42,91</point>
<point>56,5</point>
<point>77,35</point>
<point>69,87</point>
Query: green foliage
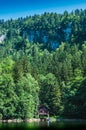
<point>27,90</point>
<point>50,92</point>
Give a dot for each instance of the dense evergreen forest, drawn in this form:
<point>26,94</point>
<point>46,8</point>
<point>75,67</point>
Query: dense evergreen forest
<point>43,61</point>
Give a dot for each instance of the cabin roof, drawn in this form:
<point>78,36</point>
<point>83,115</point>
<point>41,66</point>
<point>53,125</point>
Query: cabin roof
<point>43,107</point>
<point>43,110</point>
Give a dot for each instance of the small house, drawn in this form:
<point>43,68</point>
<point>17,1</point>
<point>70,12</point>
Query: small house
<point>43,112</point>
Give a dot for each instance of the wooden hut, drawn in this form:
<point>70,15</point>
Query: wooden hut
<point>43,113</point>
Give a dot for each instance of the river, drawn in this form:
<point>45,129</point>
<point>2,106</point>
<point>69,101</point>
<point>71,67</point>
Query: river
<point>40,125</point>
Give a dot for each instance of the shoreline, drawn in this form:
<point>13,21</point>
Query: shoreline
<point>20,120</point>
<point>38,120</point>
<point>71,120</point>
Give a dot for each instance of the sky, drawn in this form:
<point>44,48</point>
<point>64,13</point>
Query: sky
<point>22,8</point>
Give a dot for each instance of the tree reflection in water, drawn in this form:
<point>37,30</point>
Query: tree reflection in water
<point>43,124</point>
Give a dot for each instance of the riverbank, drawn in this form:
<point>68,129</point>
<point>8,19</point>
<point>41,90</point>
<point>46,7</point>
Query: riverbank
<point>20,120</point>
<point>51,119</point>
<point>71,120</point>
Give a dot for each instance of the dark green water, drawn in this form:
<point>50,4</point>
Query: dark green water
<point>42,125</point>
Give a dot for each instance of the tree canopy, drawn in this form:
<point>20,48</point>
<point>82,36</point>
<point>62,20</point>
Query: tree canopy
<point>43,61</point>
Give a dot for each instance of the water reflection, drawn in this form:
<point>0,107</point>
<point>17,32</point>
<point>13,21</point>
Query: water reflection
<point>43,124</point>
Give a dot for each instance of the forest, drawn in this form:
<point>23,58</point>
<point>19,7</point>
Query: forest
<point>43,61</point>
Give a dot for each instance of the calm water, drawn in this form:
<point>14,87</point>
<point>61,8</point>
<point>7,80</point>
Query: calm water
<point>42,125</point>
